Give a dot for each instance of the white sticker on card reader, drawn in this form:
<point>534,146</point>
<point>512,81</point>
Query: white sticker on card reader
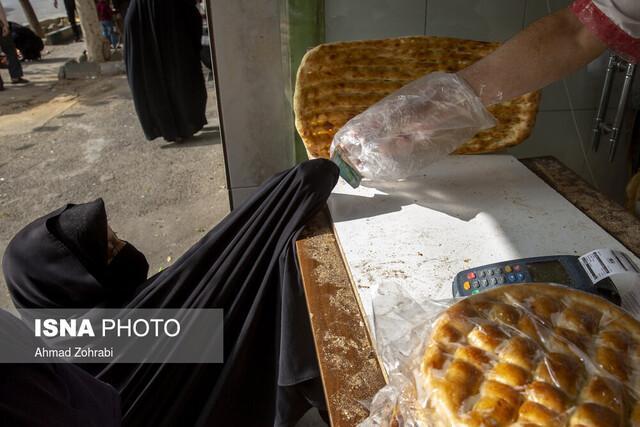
<point>602,263</point>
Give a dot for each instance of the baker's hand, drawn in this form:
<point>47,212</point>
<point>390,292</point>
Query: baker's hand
<point>413,127</point>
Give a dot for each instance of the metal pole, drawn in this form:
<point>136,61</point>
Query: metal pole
<point>604,100</point>
<point>617,122</point>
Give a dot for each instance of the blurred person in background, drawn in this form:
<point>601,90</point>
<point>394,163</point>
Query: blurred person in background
<point>162,43</point>
<point>105,16</point>
<point>9,49</point>
<point>28,44</point>
<point>120,8</point>
<point>70,7</point>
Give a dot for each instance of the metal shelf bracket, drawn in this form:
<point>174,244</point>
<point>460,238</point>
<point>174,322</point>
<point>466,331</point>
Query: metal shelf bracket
<point>615,65</point>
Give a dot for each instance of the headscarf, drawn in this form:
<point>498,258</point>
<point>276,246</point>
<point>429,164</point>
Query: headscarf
<point>60,261</point>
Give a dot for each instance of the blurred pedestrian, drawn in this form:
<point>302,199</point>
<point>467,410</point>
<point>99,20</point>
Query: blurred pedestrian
<point>9,49</point>
<point>26,41</point>
<point>162,45</point>
<point>120,7</point>
<point>105,15</point>
<point>70,7</point>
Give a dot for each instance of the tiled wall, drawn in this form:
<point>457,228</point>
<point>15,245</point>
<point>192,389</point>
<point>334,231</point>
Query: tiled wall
<point>556,132</point>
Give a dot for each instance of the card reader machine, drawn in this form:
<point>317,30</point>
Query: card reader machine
<point>563,269</point>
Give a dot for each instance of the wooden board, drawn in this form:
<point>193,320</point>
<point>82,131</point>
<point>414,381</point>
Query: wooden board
<point>348,362</point>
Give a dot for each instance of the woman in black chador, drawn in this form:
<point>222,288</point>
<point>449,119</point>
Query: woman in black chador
<point>162,57</point>
<point>48,394</point>
<point>26,41</point>
<point>246,265</point>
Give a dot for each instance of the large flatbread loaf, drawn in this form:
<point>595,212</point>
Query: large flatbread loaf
<point>337,81</point>
<point>532,355</point>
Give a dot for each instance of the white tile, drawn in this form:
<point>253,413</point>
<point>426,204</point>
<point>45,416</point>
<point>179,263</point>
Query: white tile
<point>490,20</point>
<point>554,97</point>
<point>583,88</point>
<point>536,9</point>
<point>373,19</point>
<point>555,135</point>
<point>585,85</point>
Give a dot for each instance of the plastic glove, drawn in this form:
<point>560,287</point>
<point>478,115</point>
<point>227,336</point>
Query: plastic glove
<point>400,135</point>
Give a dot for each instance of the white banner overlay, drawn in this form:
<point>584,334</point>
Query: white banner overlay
<point>117,336</point>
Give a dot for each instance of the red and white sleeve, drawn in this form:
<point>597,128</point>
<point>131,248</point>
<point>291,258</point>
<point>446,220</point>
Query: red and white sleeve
<point>615,22</point>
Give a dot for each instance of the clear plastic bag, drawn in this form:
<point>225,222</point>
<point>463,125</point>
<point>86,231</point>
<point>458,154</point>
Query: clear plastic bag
<point>515,355</point>
<point>403,133</point>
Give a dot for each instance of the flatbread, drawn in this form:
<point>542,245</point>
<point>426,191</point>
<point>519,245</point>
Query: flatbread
<point>337,81</point>
<point>532,354</point>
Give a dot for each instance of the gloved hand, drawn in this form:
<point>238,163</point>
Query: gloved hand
<point>422,122</point>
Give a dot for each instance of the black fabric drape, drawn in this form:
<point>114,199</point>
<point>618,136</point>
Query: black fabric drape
<point>245,265</point>
<point>162,57</point>
<point>26,41</point>
<point>50,394</point>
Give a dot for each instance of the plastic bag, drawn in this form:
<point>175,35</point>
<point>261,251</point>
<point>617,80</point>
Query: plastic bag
<point>411,128</point>
<point>579,351</point>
